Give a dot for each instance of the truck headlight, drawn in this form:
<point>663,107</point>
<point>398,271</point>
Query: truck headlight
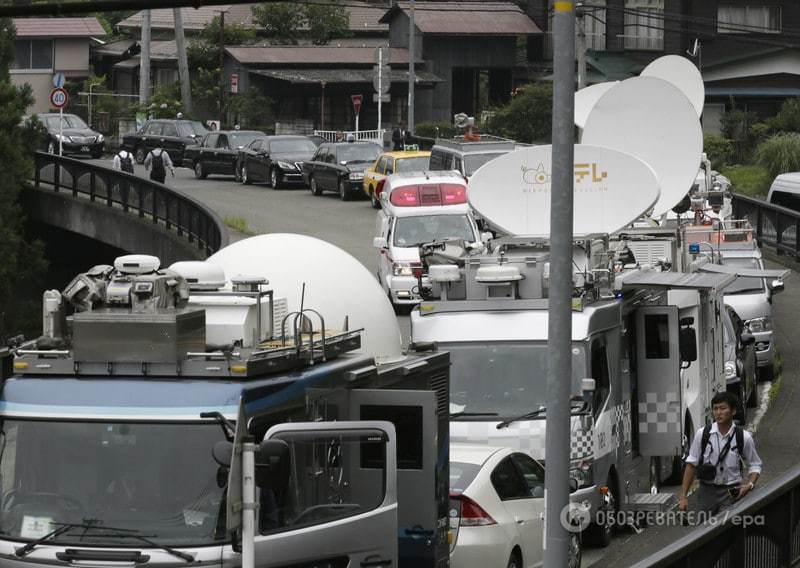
<point>582,471</point>
<point>730,370</point>
<point>402,269</point>
<point>757,325</point>
<point>285,165</point>
<point>356,175</point>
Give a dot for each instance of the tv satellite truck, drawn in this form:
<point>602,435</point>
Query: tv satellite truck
<point>117,428</point>
<point>646,345</point>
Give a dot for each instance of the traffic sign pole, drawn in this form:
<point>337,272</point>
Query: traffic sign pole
<point>60,130</point>
<point>380,85</point>
<point>59,98</point>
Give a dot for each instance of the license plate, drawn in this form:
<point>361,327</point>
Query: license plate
<point>84,148</point>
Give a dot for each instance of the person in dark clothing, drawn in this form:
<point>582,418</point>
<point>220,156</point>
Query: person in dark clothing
<point>399,137</point>
<point>157,161</point>
<point>123,161</point>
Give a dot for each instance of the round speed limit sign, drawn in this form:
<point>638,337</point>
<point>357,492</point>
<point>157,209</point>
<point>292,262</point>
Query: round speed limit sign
<point>58,97</point>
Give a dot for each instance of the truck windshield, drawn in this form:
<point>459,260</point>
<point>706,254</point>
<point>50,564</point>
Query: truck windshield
<point>744,284</point>
<point>414,231</point>
<point>157,479</point>
<point>509,378</point>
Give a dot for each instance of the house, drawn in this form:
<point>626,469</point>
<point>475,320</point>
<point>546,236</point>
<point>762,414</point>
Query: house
<point>44,46</point>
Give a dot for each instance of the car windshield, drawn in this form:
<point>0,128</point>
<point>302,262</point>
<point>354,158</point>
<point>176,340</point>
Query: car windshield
<point>744,284</point>
<point>299,145</point>
<point>414,231</point>
<point>189,128</point>
<point>462,474</point>
<point>417,164</point>
<point>506,378</point>
<point>474,161</point>
<point>70,121</point>
<point>350,153</point>
<point>242,139</point>
<point>158,479</point>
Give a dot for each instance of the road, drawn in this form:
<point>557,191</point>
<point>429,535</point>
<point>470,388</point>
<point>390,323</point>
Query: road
<point>351,226</point>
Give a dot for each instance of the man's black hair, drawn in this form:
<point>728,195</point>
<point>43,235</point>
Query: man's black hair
<point>726,397</point>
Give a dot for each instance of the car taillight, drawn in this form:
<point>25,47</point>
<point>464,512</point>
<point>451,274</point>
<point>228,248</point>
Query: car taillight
<point>405,196</point>
<point>472,514</point>
<point>427,195</point>
<point>453,194</point>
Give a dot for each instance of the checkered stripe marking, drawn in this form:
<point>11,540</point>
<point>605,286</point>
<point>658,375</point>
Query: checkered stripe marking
<point>660,413</point>
<point>581,443</point>
<point>622,415</point>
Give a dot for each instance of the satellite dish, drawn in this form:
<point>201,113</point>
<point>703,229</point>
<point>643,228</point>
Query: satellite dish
<point>461,120</point>
<point>651,119</point>
<point>683,74</point>
<point>337,285</point>
<point>586,98</point>
<point>612,189</point>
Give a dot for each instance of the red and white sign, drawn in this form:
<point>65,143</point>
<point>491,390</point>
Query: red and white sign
<point>59,97</point>
<point>234,82</point>
<point>356,102</point>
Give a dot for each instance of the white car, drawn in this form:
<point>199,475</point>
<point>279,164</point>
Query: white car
<point>497,509</point>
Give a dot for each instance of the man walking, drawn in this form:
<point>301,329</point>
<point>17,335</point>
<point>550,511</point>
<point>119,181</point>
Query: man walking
<point>399,137</point>
<point>157,161</point>
<point>123,161</point>
<point>717,456</point>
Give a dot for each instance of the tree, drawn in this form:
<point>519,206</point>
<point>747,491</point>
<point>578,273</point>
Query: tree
<point>326,22</point>
<point>528,116</point>
<point>252,109</point>
<point>288,22</point>
<point>23,263</point>
<point>282,21</point>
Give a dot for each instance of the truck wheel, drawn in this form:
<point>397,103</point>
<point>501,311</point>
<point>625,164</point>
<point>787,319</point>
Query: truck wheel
<point>139,155</point>
<point>600,535</point>
<point>575,550</point>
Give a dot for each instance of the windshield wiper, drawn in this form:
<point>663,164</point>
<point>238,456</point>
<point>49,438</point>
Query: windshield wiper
<point>147,540</point>
<point>576,408</point>
<point>459,414</point>
<point>62,528</point>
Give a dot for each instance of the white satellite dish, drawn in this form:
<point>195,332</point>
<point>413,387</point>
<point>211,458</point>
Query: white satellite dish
<point>651,119</point>
<point>586,98</point>
<point>683,74</point>
<point>612,189</point>
<point>337,285</point>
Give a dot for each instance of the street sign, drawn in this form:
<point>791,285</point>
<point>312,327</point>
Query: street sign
<point>356,102</point>
<point>382,55</point>
<point>58,80</point>
<point>385,81</point>
<point>234,82</point>
<point>59,97</point>
<point>384,98</point>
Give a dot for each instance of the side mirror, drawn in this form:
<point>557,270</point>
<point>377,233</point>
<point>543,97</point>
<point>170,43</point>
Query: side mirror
<point>747,338</point>
<point>687,341</point>
<point>223,453</point>
<point>776,286</point>
<point>379,242</point>
<point>573,485</point>
<point>273,464</point>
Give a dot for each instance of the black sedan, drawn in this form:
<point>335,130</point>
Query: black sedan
<point>339,167</point>
<point>172,135</point>
<point>76,136</point>
<point>277,160</point>
<point>217,152</point>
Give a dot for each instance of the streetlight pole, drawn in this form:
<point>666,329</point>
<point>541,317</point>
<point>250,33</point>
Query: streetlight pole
<point>144,60</point>
<point>412,77</point>
<point>221,69</point>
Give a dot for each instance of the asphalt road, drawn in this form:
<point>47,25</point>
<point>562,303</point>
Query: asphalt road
<point>351,226</point>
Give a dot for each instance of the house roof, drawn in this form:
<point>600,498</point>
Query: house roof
<point>467,18</point>
<point>58,27</point>
<point>159,51</point>
<point>339,76</point>
<point>312,55</point>
<point>115,48</point>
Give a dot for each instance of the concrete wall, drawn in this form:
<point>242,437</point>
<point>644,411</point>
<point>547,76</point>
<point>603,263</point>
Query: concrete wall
<point>41,84</point>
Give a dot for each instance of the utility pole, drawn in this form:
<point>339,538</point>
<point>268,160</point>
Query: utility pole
<point>144,60</point>
<point>412,76</point>
<point>580,23</point>
<point>559,332</point>
<point>183,65</point>
<point>222,69</point>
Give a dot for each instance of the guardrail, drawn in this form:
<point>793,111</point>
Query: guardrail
<point>369,135</point>
<point>774,226</point>
<point>148,200</point>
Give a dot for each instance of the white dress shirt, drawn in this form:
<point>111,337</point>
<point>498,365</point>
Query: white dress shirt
<point>729,471</point>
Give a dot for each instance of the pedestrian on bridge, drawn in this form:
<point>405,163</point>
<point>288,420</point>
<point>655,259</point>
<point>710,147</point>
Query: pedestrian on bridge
<point>123,161</point>
<point>157,161</point>
<point>718,456</point>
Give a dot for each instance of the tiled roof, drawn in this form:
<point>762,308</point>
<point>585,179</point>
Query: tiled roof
<point>341,76</point>
<point>467,18</point>
<point>311,55</point>
<point>58,27</point>
<point>114,48</point>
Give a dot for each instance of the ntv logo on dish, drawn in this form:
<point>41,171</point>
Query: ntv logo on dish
<point>589,177</point>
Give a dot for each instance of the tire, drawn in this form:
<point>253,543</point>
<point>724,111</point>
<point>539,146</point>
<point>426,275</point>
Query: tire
<point>139,155</point>
<point>344,194</point>
<point>315,189</point>
<point>274,178</point>
<point>199,171</point>
<point>237,173</point>
<point>601,535</point>
<point>514,561</point>
<point>376,204</point>
<point>575,550</point>
<point>245,177</point>
<point>51,147</point>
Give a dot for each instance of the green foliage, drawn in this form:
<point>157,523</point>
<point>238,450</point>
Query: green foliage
<point>753,181</point>
<point>205,89</point>
<point>252,110</point>
<point>528,116</point>
<point>719,150</point>
<point>736,124</point>
<point>165,102</point>
<point>788,118</point>
<point>23,263</point>
<point>779,154</point>
<point>289,22</point>
<point>238,224</point>
<point>204,51</point>
<point>431,129</point>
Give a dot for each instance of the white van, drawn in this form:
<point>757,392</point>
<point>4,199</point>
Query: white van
<point>785,191</point>
<point>417,208</point>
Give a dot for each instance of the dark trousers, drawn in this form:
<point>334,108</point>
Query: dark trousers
<point>158,177</point>
<point>714,498</point>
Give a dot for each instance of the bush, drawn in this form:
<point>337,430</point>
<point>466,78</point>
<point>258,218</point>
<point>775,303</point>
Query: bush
<point>719,150</point>
<point>788,118</point>
<point>428,129</point>
<point>779,154</point>
<point>528,117</point>
<point>752,181</point>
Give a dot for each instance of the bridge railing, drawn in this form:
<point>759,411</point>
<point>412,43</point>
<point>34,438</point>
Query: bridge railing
<point>775,226</point>
<point>149,200</point>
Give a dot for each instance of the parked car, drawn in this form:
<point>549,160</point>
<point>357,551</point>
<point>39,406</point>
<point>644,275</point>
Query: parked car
<point>466,156</point>
<point>740,362</point>
<point>173,135</point>
<point>389,163</point>
<point>78,138</point>
<point>274,159</point>
<point>785,191</point>
<point>217,152</point>
<point>339,167</point>
<point>497,509</point>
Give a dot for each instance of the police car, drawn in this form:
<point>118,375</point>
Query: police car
<point>418,208</point>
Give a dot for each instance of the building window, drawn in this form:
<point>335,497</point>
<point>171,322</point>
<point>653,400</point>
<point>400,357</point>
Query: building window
<point>644,24</point>
<point>33,54</point>
<point>748,19</point>
<point>166,76</point>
